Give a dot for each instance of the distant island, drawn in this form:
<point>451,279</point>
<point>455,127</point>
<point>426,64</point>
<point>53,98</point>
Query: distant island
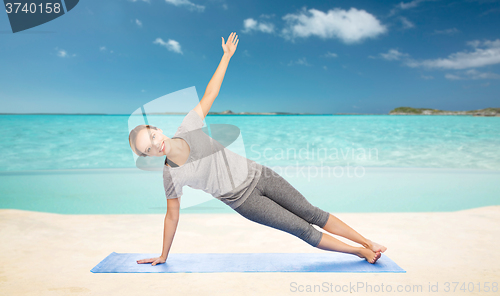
<point>397,111</point>
<point>427,111</point>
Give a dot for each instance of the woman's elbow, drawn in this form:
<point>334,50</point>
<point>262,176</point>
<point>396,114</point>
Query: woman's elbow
<point>173,207</point>
<point>172,214</point>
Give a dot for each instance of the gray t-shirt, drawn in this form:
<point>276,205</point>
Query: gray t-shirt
<point>210,167</point>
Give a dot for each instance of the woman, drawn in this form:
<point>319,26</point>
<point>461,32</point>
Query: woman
<point>251,189</point>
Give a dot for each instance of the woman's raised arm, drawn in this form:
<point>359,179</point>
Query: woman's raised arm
<point>215,83</point>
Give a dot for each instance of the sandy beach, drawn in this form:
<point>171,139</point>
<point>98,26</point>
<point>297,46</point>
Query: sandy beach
<point>52,254</point>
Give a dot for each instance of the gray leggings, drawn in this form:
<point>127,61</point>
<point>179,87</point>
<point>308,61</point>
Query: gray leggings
<point>276,203</point>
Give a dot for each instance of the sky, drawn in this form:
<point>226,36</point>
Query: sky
<point>293,56</point>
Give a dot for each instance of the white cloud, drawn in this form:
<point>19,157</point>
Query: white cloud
<point>267,16</point>
<point>472,74</point>
<point>406,23</point>
<point>171,45</point>
<point>330,55</point>
<point>148,1</point>
<point>474,43</point>
<point>190,5</point>
<point>252,25</point>
<point>350,26</point>
<point>394,55</point>
<point>324,67</point>
<point>484,54</point>
<point>407,5</point>
<point>138,22</point>
<point>493,10</point>
<point>452,77</point>
<point>63,53</point>
<point>225,6</point>
<point>302,61</point>
<point>447,31</point>
<point>104,49</point>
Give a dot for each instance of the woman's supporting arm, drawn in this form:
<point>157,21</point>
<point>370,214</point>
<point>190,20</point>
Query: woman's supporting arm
<point>215,83</point>
<point>170,225</point>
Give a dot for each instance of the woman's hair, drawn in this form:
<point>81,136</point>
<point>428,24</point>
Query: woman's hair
<point>132,137</point>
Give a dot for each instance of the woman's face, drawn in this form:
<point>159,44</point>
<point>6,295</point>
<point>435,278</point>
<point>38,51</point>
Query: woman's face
<point>152,142</point>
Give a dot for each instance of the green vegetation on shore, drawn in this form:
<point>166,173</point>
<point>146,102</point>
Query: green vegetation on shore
<point>428,111</point>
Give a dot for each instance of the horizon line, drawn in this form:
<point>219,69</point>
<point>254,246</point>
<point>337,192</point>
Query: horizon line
<point>180,113</point>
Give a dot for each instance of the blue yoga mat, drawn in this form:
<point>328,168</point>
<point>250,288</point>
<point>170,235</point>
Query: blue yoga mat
<point>245,262</point>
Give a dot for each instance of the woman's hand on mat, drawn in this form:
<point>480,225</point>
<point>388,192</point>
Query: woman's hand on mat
<point>153,261</point>
<point>230,46</point>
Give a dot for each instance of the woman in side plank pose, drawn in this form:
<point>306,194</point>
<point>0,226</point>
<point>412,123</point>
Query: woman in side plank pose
<point>260,194</point>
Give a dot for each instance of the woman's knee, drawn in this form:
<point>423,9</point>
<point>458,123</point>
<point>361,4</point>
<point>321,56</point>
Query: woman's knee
<point>321,217</point>
<point>312,236</point>
<point>316,216</point>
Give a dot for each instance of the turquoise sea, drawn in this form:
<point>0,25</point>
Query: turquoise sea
<point>82,164</point>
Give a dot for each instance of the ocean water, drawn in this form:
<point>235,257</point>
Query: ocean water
<point>51,142</point>
<point>82,164</point>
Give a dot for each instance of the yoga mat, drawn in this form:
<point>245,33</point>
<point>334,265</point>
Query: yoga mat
<point>245,262</point>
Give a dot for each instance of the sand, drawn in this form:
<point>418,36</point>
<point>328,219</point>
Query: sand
<point>52,254</point>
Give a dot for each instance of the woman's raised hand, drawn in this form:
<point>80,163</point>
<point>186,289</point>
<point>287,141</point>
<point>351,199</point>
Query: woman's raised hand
<point>153,261</point>
<point>230,46</point>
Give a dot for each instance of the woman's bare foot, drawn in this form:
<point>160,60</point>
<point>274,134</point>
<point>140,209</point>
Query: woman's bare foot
<point>376,247</point>
<point>369,255</point>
